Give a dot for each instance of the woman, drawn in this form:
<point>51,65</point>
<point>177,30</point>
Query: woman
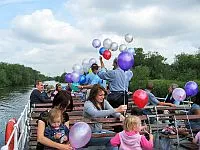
<point>61,101</point>
<point>169,98</point>
<point>195,110</point>
<point>97,107</point>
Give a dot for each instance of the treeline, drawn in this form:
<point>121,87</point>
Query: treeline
<point>18,75</point>
<point>153,66</point>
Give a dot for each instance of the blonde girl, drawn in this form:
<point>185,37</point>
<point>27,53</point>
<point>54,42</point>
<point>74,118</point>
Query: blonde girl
<point>130,137</point>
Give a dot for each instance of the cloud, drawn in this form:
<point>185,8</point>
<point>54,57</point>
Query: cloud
<point>51,44</point>
<point>42,27</point>
<point>163,26</point>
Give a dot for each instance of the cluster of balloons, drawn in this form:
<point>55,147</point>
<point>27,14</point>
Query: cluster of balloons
<point>80,134</point>
<point>190,89</point>
<point>109,45</point>
<point>77,77</point>
<point>125,58</point>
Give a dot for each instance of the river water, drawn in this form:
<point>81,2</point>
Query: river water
<point>12,103</point>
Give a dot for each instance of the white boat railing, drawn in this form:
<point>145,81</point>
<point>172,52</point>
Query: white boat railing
<point>20,131</point>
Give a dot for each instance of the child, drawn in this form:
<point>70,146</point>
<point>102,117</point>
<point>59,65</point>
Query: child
<point>130,138</point>
<point>55,130</point>
<point>196,140</point>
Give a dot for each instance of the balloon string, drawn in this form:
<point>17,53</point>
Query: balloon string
<point>125,93</point>
<point>188,118</point>
<point>176,126</point>
<point>157,119</point>
<point>150,129</point>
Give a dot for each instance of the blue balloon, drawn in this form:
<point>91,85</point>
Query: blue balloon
<point>82,79</point>
<point>101,50</point>
<point>125,60</point>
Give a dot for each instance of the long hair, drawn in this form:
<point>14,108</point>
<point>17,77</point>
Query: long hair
<point>57,85</point>
<point>61,100</point>
<point>94,92</point>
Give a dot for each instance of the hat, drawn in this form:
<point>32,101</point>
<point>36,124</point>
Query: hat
<point>50,88</point>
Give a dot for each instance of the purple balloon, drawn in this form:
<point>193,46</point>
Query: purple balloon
<point>96,43</point>
<point>179,94</point>
<point>80,134</point>
<point>75,76</point>
<point>125,60</point>
<point>68,78</point>
<point>191,88</point>
<point>101,50</point>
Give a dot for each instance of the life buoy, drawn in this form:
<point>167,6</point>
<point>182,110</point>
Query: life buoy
<point>9,128</point>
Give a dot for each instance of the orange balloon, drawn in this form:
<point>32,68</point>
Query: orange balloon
<point>140,98</point>
<point>107,54</point>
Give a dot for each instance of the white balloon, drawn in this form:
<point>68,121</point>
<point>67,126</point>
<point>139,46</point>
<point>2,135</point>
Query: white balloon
<point>92,61</point>
<point>107,43</point>
<point>128,38</point>
<point>96,43</point>
<point>131,50</point>
<point>179,94</point>
<point>77,68</point>
<point>86,68</point>
<point>128,74</point>
<point>114,46</point>
<point>85,61</point>
<point>122,47</point>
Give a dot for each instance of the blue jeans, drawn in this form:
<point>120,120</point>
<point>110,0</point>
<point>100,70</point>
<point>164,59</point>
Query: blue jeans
<point>104,141</point>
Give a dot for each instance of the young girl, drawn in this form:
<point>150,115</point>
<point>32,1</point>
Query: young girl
<point>130,137</point>
<point>56,131</point>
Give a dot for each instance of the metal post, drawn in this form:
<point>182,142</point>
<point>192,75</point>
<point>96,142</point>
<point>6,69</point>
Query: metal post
<point>15,137</point>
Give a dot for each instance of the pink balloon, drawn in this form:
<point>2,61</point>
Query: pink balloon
<point>80,134</point>
<point>179,94</point>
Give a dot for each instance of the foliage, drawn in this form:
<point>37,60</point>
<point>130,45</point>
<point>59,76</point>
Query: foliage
<point>61,78</point>
<point>15,74</point>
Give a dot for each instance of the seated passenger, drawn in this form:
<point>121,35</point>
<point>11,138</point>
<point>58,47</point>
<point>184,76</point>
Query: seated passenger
<point>36,96</point>
<point>169,98</point>
<point>97,107</point>
<point>195,110</point>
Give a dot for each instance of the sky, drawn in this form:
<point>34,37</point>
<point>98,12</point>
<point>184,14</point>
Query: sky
<point>52,36</point>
